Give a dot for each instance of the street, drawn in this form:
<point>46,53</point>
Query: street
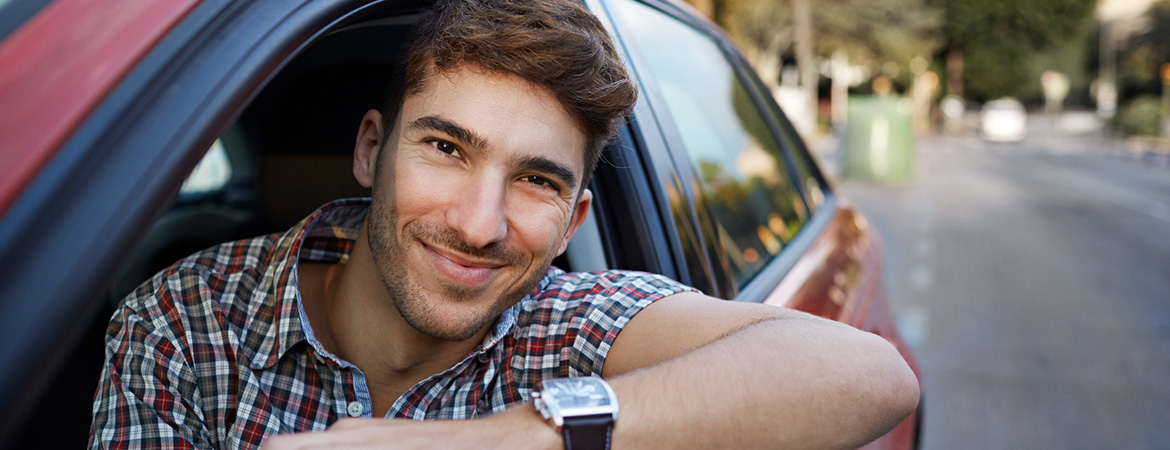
<point>1033,281</point>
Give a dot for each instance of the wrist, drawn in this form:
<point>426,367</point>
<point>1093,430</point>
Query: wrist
<point>522,426</point>
<point>581,409</point>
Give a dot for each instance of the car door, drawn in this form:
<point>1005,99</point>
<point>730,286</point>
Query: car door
<point>169,81</point>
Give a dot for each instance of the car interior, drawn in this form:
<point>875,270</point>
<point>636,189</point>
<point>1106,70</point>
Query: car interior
<point>289,152</point>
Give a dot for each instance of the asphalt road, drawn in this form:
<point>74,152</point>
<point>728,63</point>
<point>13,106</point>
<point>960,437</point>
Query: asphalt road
<point>1033,280</point>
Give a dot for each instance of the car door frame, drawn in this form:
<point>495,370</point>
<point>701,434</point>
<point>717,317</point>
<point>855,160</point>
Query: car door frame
<point>118,171</point>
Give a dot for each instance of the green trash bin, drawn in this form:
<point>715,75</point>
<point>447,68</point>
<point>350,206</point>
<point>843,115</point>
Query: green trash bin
<point>878,143</point>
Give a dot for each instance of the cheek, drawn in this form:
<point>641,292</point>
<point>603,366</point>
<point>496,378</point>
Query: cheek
<point>539,224</point>
<point>420,190</point>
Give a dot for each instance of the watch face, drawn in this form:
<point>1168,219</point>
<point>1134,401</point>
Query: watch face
<point>576,393</point>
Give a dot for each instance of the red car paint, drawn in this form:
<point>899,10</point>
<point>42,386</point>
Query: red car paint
<point>59,65</point>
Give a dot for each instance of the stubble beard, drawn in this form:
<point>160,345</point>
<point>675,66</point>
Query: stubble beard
<point>412,302</point>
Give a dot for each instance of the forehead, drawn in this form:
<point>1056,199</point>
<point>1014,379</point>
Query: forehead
<point>511,114</point>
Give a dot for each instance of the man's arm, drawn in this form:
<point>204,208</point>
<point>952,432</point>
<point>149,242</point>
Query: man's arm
<point>741,375</point>
<point>143,398</point>
<point>691,371</point>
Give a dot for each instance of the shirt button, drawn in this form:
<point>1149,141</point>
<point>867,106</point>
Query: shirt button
<point>354,409</point>
<point>485,357</point>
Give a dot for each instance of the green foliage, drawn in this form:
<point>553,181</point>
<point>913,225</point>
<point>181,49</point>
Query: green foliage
<point>758,25</point>
<point>1140,117</point>
<point>1141,60</point>
<point>1072,58</point>
<point>873,31</point>
<point>996,69</point>
<point>1035,24</point>
<point>1006,44</point>
<point>999,37</point>
<point>878,30</point>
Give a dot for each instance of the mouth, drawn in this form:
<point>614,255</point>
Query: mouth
<point>459,268</point>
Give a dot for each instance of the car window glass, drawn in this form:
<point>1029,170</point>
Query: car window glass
<point>211,174</point>
<point>814,193</point>
<point>738,161</point>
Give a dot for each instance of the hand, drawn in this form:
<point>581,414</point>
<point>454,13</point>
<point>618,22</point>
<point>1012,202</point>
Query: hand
<point>519,427</point>
<point>375,433</point>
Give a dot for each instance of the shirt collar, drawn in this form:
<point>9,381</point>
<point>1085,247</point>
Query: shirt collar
<point>327,235</point>
<point>507,323</point>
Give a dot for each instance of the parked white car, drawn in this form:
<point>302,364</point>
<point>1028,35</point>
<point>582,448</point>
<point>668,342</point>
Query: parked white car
<point>1003,120</point>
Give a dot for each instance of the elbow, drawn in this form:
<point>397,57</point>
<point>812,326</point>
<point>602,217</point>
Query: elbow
<point>894,387</point>
<point>905,392</point>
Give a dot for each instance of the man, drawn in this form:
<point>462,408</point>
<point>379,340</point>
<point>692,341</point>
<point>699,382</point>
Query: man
<point>436,300</point>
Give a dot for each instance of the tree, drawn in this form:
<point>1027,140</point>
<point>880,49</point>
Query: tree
<point>997,37</point>
<point>873,32</point>
<point>1142,57</point>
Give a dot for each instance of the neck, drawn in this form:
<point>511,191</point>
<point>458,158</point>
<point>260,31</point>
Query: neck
<point>354,318</point>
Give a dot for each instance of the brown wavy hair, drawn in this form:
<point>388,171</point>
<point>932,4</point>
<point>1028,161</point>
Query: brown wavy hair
<point>556,44</point>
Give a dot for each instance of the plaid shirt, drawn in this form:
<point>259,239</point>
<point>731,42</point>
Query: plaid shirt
<point>216,351</point>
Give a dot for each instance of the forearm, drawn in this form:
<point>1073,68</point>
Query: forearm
<point>518,427</point>
<point>784,383</point>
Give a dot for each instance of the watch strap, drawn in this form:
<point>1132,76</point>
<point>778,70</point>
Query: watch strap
<point>588,432</point>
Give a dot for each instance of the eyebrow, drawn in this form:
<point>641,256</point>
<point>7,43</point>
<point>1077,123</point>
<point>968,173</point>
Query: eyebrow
<point>533,163</point>
<point>453,129</point>
<point>548,166</point>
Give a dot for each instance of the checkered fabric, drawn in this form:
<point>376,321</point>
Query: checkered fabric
<point>216,352</point>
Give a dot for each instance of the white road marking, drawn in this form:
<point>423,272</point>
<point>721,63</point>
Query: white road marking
<point>924,247</point>
<point>913,323</point>
<point>921,278</point>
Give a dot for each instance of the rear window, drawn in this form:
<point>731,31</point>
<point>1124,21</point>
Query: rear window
<point>743,175</point>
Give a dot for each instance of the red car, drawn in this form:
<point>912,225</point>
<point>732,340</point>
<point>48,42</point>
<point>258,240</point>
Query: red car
<point>108,107</point>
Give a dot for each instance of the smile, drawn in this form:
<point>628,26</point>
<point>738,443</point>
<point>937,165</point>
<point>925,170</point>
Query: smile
<point>459,268</point>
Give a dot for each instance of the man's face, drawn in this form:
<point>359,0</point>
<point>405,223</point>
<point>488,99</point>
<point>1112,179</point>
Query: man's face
<point>473,198</point>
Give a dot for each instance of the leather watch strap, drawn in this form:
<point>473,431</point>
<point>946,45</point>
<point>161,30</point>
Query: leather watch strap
<point>588,432</point>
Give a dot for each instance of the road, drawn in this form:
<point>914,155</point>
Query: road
<point>1033,280</point>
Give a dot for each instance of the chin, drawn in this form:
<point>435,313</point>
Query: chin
<point>456,318</point>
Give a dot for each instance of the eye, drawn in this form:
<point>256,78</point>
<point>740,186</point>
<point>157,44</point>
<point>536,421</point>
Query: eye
<point>540,181</point>
<point>444,146</point>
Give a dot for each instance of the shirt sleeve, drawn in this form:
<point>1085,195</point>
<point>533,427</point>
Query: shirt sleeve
<point>148,394</point>
<point>604,313</point>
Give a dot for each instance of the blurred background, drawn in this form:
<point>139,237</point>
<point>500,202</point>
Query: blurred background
<point>1015,156</point>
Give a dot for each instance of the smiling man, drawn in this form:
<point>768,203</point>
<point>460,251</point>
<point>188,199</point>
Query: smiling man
<point>435,299</point>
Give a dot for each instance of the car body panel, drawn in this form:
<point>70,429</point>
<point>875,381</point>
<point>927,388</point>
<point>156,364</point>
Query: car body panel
<point>59,65</point>
<point>843,266</point>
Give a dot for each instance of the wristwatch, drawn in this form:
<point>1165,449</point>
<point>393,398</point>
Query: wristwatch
<point>583,410</point>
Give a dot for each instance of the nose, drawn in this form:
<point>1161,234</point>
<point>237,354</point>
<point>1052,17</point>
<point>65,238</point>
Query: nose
<point>477,213</point>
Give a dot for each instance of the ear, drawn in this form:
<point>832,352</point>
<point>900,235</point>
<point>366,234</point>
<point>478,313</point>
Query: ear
<point>580,210</point>
<point>365,151</point>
